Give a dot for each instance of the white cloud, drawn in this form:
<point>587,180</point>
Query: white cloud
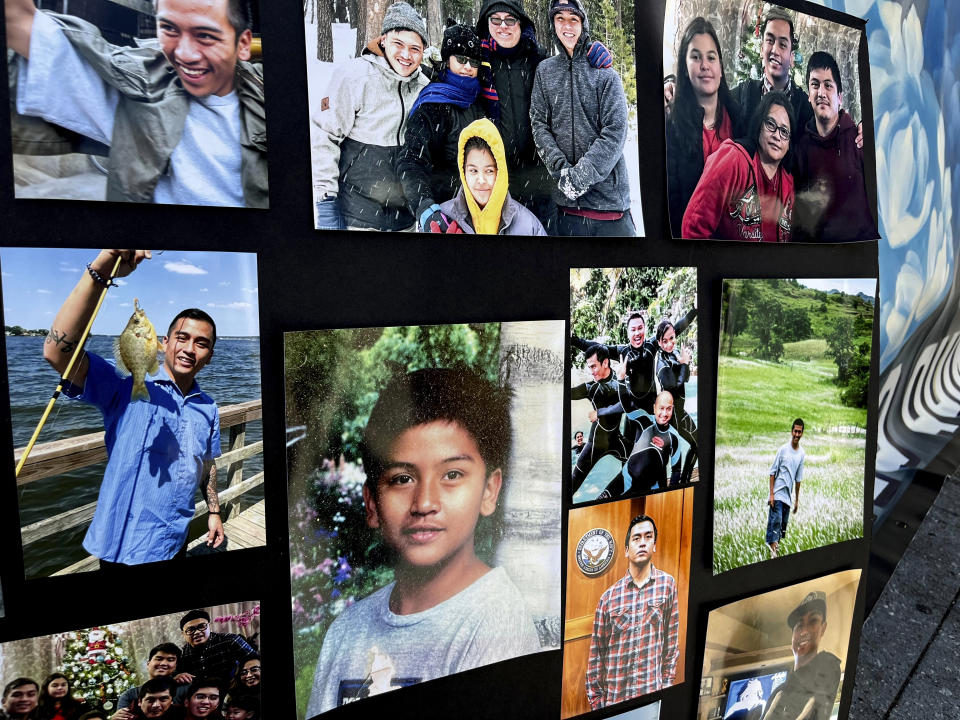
<point>251,291</point>
<point>119,282</point>
<point>182,267</point>
<point>43,291</point>
<point>223,283</point>
<point>65,268</point>
<point>204,289</point>
<point>125,304</point>
<point>230,305</point>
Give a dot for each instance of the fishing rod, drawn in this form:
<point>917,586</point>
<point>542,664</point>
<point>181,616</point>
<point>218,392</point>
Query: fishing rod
<point>69,368</point>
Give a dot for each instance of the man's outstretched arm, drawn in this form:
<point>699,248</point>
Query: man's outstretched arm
<point>19,18</point>
<point>75,313</point>
<point>215,534</point>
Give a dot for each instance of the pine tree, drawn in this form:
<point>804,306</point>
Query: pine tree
<point>96,666</point>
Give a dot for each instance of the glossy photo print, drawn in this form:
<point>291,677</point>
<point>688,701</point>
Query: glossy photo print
<point>764,112</point>
<point>633,381</point>
<point>792,397</point>
<point>424,502</point>
<point>196,663</point>
<point>149,102</point>
<point>625,628</point>
<point>440,117</point>
<point>160,414</point>
<point>780,655</point>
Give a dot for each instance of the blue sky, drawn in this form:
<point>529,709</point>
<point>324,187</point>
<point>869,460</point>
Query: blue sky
<point>851,286</point>
<point>36,281</point>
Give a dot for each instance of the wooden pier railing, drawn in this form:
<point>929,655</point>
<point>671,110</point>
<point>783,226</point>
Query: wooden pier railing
<point>61,456</point>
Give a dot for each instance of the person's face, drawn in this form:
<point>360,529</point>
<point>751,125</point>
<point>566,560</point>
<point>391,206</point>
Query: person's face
<point>58,687</point>
<point>154,705</point>
<point>505,34</point>
<point>663,410</point>
<point>480,171</point>
<point>636,332</point>
<point>776,53</point>
<point>162,664</point>
<point>703,66</point>
<point>463,69</point>
<point>250,673</point>
<point>196,632</point>
<point>187,348</point>
<point>668,341</point>
<point>599,371</point>
<point>21,700</point>
<point>233,712</point>
<point>569,28</point>
<point>434,488</point>
<point>642,543</point>
<point>772,145</point>
<point>403,50</point>
<point>579,438</point>
<point>807,633</point>
<point>203,702</point>
<point>795,434</point>
<point>201,44</point>
<point>823,94</point>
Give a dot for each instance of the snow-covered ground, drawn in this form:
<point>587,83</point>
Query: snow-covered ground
<point>344,42</point>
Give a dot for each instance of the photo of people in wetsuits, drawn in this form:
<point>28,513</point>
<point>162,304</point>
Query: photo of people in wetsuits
<point>764,125</point>
<point>494,118</point>
<point>633,380</point>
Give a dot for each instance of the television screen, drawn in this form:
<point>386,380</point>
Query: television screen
<point>747,697</point>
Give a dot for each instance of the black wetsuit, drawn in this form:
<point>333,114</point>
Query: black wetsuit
<point>605,437</point>
<point>671,375</point>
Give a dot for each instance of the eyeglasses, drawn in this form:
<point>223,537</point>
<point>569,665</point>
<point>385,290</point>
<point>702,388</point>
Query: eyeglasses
<point>508,21</point>
<point>464,60</point>
<point>194,629</point>
<point>771,125</point>
<point>212,697</point>
<point>248,671</point>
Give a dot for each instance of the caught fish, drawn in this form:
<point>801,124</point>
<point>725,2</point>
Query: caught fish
<point>136,351</point>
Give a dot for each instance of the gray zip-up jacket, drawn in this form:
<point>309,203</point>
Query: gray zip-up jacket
<point>149,118</point>
<point>579,119</point>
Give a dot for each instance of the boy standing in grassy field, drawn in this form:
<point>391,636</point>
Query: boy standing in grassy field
<point>785,476</point>
<point>432,450</point>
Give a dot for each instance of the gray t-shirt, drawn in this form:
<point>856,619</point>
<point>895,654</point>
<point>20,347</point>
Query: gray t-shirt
<point>787,470</point>
<point>131,696</point>
<point>57,85</point>
<point>368,649</point>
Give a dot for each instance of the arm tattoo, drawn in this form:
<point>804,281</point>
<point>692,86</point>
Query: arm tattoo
<point>60,338</point>
<point>210,490</point>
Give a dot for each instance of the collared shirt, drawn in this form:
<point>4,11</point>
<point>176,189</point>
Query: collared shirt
<point>156,453</point>
<point>218,657</point>
<point>634,647</point>
<point>768,86</point>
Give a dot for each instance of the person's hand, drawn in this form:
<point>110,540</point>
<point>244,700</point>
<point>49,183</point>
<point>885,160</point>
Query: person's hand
<point>657,440</point>
<point>592,416</point>
<point>129,259</point>
<point>796,506</point>
<point>567,185</point>
<point>598,56</point>
<point>328,213</point>
<point>859,139</point>
<point>770,500</point>
<point>622,369</point>
<point>669,88</point>
<point>686,355</point>
<point>183,678</point>
<point>215,534</point>
<point>122,714</point>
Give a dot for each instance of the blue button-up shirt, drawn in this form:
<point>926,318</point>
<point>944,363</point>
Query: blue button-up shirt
<point>156,453</point>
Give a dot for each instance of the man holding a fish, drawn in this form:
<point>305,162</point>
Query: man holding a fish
<point>159,447</point>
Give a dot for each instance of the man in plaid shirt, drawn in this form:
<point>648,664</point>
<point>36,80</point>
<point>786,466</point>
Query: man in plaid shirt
<point>209,654</point>
<point>633,649</point>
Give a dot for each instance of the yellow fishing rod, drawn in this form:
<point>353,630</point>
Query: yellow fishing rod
<point>69,368</point>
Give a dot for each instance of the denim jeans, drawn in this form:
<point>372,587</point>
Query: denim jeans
<point>777,521</point>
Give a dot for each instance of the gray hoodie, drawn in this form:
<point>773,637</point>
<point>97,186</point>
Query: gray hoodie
<point>579,119</point>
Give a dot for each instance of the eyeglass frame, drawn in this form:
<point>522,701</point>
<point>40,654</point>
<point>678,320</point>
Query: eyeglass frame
<point>201,628</point>
<point>509,21</point>
<point>467,60</point>
<point>772,127</point>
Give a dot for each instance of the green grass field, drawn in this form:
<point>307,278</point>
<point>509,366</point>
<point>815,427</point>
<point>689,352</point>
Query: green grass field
<point>757,401</point>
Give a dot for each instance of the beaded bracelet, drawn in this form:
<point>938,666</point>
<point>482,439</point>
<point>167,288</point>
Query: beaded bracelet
<point>98,278</point>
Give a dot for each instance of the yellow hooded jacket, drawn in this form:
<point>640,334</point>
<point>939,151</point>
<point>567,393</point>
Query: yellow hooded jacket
<point>487,219</point>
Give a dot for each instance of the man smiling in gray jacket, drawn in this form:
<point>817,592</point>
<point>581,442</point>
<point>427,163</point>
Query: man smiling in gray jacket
<point>579,119</point>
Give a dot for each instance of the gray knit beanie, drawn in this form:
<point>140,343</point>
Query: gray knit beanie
<point>402,16</point>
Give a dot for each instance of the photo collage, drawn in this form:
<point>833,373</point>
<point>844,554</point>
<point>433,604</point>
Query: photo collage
<point>552,478</point>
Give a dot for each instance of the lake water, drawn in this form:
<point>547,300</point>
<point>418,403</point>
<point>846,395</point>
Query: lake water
<point>232,377</point>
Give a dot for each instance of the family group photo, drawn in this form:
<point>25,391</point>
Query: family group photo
<point>500,117</point>
<point>793,388</point>
<point>764,125</point>
<point>424,502</point>
<point>633,381</point>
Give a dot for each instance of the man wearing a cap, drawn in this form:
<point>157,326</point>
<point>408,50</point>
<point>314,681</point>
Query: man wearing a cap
<point>358,129</point>
<point>579,118</point>
<point>811,687</point>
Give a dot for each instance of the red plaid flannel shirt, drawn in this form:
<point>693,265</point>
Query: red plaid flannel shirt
<point>634,647</point>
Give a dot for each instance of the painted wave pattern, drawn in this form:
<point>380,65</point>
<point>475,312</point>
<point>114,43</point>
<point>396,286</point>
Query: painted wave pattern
<point>914,66</point>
